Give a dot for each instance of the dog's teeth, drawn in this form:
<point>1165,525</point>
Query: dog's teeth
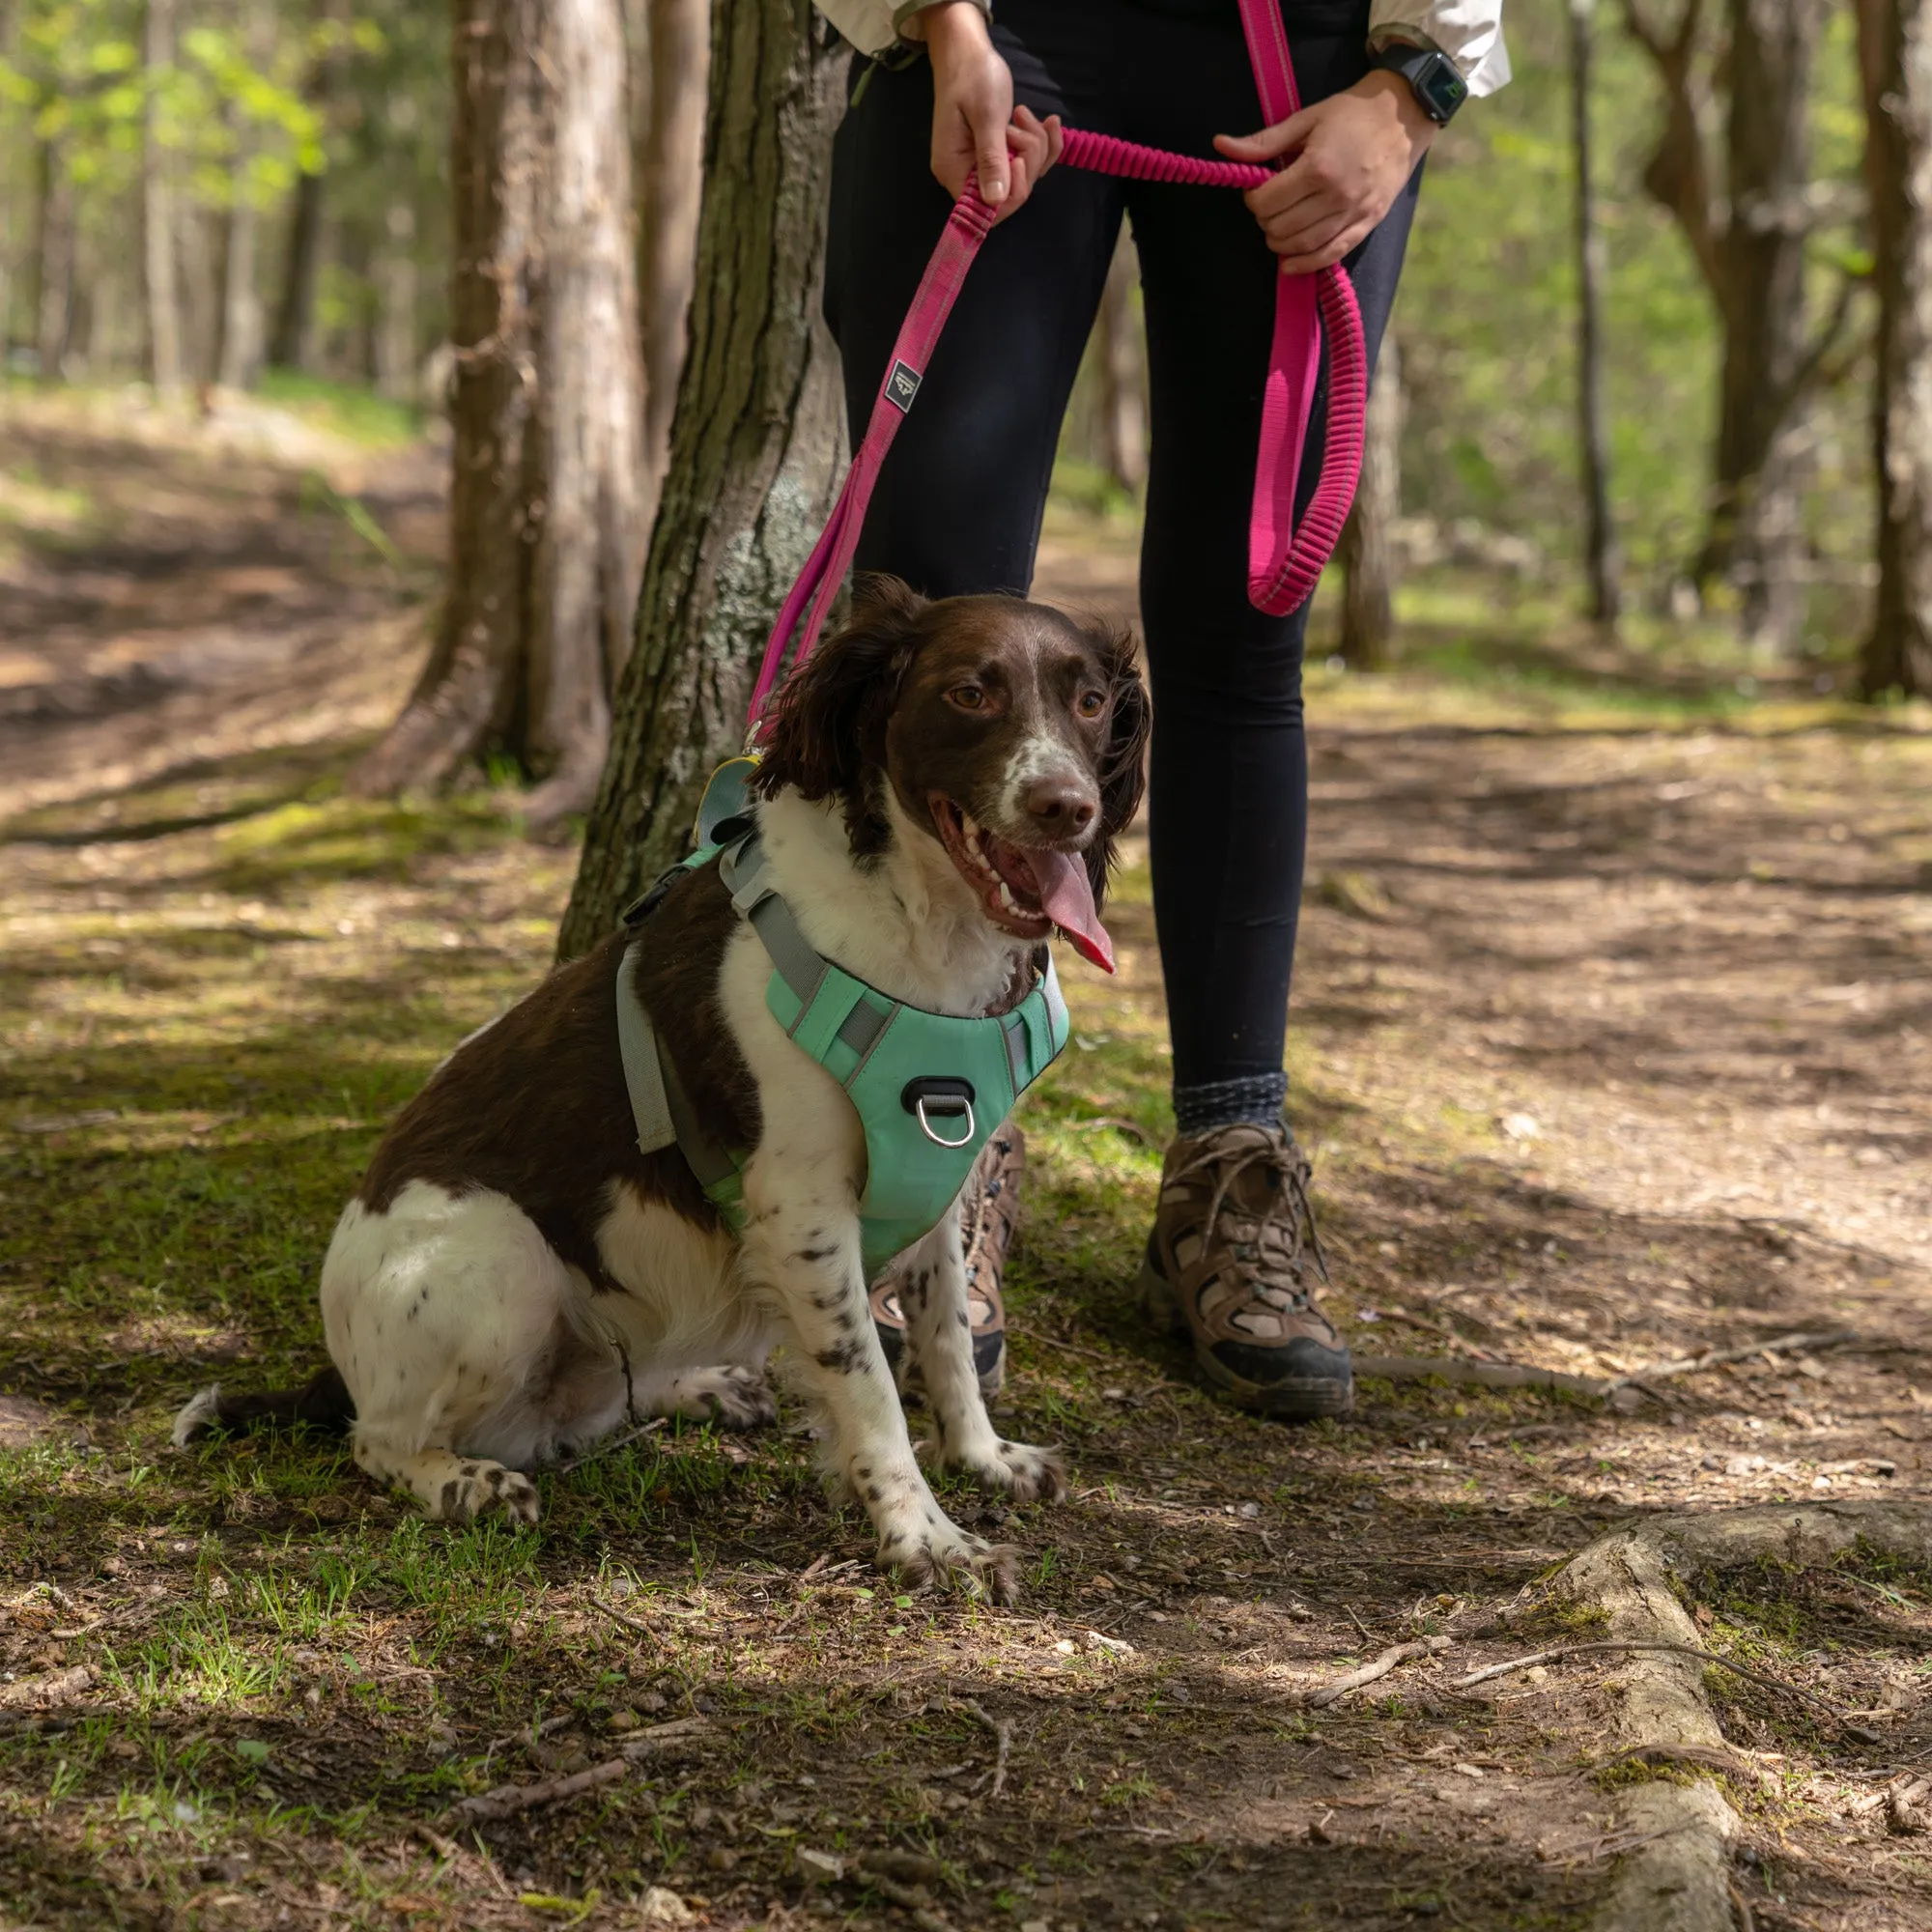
<point>1006,897</point>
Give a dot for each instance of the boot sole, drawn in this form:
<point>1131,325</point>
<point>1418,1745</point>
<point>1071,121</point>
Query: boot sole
<point>1294,1399</point>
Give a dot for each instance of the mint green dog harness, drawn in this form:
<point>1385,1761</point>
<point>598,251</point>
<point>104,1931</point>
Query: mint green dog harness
<point>930,1088</point>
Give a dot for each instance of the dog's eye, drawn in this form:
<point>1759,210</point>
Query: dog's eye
<point>1091,703</point>
<point>968,697</point>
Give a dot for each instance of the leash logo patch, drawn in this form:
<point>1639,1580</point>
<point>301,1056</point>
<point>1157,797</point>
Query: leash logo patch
<point>902,385</point>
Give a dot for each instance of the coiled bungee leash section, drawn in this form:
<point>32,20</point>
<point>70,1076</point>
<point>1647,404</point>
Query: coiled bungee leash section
<point>1285,559</point>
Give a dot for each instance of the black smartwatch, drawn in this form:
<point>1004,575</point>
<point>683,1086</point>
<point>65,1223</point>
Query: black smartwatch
<point>1433,77</point>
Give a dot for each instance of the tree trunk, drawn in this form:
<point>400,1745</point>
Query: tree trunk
<point>51,302</point>
<point>396,371</point>
<point>755,449</point>
<point>1750,246</point>
<point>1895,61</point>
<point>670,170</point>
<point>1764,458</point>
<point>1600,530</point>
<point>158,208</point>
<point>1123,373</point>
<point>1367,548</point>
<point>240,304</point>
<point>292,345</point>
<point>546,543</point>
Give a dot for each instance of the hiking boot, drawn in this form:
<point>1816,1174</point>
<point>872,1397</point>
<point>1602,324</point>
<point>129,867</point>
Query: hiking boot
<point>989,1212</point>
<point>1228,1263</point>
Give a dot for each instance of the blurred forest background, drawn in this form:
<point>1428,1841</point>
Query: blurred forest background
<point>221,196</point>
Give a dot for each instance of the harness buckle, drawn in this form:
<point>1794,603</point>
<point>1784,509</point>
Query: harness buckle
<point>943,1097</point>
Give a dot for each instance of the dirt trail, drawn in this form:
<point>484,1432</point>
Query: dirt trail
<point>1609,1039</point>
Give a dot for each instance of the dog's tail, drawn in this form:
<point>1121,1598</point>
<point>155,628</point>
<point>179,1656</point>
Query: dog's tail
<point>324,1403</point>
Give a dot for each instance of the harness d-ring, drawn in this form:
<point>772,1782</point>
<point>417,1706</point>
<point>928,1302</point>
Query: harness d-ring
<point>940,1140</point>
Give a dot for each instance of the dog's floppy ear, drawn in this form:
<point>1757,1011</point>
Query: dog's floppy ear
<point>829,718</point>
<point>1122,763</point>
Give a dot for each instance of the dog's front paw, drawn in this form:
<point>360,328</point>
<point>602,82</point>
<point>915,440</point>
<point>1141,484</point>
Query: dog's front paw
<point>946,1557</point>
<point>1016,1470</point>
<point>478,1488</point>
<point>732,1397</point>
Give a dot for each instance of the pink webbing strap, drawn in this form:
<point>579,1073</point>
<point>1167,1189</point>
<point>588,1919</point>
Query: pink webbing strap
<point>1285,562</point>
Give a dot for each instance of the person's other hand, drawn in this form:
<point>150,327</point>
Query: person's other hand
<point>974,124</point>
<point>1353,153</point>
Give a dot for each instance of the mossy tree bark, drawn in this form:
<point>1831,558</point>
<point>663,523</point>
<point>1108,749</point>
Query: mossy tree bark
<point>1367,551</point>
<point>546,523</point>
<point>1895,59</point>
<point>755,449</point>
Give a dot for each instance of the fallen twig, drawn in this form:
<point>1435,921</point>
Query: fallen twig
<point>507,1801</point>
<point>1001,1730</point>
<point>914,1903</point>
<point>1410,1321</point>
<point>1758,1677</point>
<point>610,1447</point>
<point>1488,1375</point>
<point>1129,1128</point>
<point>617,1616</point>
<point>1713,1358</point>
<point>1402,1653</point>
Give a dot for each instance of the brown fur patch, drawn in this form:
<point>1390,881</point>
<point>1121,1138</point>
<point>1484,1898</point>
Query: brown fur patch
<point>535,1107</point>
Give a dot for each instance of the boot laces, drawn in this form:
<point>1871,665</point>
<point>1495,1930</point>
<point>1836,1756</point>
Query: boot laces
<point>1271,1241</point>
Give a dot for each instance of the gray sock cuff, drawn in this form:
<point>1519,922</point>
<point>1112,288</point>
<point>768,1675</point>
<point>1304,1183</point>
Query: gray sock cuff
<point>1258,1097</point>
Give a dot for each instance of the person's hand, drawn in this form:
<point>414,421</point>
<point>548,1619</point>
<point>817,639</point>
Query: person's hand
<point>974,124</point>
<point>1353,153</point>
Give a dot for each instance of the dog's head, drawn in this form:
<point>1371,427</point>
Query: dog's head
<point>1006,731</point>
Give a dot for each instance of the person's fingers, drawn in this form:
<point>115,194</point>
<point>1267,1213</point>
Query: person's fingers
<point>1270,142</point>
<point>1304,180</point>
<point>1307,237</point>
<point>1341,244</point>
<point>1056,141</point>
<point>989,149</point>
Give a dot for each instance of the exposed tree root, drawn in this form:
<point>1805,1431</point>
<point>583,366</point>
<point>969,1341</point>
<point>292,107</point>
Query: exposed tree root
<point>1677,1880</point>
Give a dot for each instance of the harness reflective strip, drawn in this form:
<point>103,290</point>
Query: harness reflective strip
<point>862,1026</point>
<point>1014,1025</point>
<point>643,1073</point>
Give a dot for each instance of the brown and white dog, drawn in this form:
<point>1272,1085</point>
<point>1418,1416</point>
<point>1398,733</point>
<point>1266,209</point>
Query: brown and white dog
<point>941,789</point>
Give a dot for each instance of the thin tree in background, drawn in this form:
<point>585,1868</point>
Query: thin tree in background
<point>546,535</point>
<point>1895,66</point>
<point>1749,239</point>
<point>1367,551</point>
<point>158,239</point>
<point>674,38</point>
<point>241,331</point>
<point>1600,530</point>
<point>1123,386</point>
<point>755,448</point>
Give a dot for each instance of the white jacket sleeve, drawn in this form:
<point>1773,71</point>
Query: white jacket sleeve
<point>1470,32</point>
<point>873,25</point>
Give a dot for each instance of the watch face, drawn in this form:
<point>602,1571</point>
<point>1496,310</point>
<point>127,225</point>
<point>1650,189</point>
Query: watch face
<point>1440,88</point>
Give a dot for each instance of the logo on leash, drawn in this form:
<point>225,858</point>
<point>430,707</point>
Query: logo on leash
<point>902,385</point>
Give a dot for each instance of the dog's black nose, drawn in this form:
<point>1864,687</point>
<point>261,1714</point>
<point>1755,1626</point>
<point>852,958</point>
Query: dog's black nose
<point>1061,806</point>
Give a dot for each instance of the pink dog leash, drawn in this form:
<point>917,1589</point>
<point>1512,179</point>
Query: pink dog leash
<point>1285,562</point>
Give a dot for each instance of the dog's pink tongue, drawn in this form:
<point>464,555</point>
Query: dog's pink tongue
<point>1067,898</point>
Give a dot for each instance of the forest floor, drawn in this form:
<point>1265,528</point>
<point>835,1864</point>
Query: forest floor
<point>1611,1042</point>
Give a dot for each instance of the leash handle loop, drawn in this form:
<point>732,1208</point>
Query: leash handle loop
<point>1285,559</point>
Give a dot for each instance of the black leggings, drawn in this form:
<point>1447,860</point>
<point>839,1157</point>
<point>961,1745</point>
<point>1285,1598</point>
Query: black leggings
<point>959,502</point>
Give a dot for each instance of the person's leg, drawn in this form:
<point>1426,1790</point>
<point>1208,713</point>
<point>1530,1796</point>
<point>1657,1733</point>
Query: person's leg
<point>1227,795</point>
<point>1229,774</point>
<point>959,501</point>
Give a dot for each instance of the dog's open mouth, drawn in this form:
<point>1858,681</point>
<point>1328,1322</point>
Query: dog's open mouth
<point>1027,891</point>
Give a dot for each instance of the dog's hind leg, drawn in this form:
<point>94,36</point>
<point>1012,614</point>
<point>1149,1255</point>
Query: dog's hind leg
<point>446,1316</point>
<point>734,1397</point>
<point>452,1488</point>
<point>939,1334</point>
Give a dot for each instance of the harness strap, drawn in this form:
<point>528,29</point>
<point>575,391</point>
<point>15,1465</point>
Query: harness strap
<point>644,1069</point>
